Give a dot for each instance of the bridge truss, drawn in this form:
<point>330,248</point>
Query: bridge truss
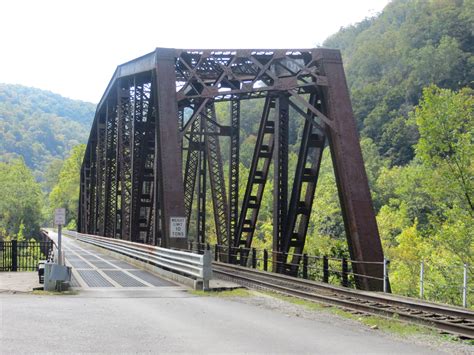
<point>155,152</point>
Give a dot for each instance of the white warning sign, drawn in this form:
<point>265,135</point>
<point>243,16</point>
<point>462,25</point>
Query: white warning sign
<point>178,227</point>
<point>60,216</point>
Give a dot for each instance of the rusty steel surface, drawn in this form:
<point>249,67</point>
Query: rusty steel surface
<point>155,153</point>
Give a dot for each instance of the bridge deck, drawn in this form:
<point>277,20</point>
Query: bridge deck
<point>93,269</point>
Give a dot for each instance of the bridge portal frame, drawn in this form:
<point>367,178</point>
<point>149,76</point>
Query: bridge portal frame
<point>160,107</point>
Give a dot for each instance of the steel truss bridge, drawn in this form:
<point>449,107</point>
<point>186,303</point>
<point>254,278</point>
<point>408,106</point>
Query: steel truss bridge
<point>155,153</point>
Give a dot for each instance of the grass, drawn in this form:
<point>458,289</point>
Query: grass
<point>54,293</point>
<point>239,292</point>
<point>391,325</point>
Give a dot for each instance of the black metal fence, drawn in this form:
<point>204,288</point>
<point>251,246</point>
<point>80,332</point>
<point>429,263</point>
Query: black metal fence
<point>24,255</point>
<point>319,268</point>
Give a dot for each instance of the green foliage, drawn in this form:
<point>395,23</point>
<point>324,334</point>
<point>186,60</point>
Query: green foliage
<point>446,124</point>
<point>390,58</point>
<point>65,194</point>
<point>40,126</point>
<point>21,233</point>
<point>407,70</point>
<point>20,200</point>
<point>426,212</point>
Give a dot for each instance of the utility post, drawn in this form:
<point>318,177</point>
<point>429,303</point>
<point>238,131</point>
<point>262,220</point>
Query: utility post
<point>57,275</point>
<point>60,220</point>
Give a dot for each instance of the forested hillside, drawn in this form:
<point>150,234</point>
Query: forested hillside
<point>410,71</point>
<point>40,126</point>
<point>390,58</point>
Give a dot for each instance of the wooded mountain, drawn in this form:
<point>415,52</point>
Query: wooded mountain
<point>40,126</point>
<point>409,71</point>
<point>390,58</point>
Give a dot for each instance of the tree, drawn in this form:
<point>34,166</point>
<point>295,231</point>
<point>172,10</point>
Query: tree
<point>40,127</point>
<point>20,200</point>
<point>390,58</point>
<point>445,121</point>
<point>66,192</point>
<point>426,211</point>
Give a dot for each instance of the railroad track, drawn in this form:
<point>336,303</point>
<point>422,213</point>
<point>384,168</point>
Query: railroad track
<point>452,320</point>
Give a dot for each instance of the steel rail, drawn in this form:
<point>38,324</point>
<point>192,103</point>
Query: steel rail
<point>455,321</point>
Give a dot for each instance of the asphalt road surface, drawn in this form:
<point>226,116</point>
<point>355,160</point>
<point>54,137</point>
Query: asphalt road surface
<point>170,319</point>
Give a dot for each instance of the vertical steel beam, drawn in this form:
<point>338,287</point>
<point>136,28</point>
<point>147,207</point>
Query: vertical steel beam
<point>216,176</point>
<point>119,163</point>
<point>147,196</point>
<point>91,178</point>
<point>135,160</point>
<point>124,155</point>
<point>257,179</point>
<point>142,133</point>
<point>354,194</point>
<point>234,161</point>
<point>100,175</point>
<point>280,178</point>
<point>169,162</point>
<point>110,168</point>
<point>201,183</point>
<point>146,168</point>
<point>304,186</point>
<point>191,168</point>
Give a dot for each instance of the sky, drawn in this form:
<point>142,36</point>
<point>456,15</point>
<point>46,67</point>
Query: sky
<point>72,47</point>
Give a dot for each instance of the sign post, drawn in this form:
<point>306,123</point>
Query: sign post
<point>59,220</point>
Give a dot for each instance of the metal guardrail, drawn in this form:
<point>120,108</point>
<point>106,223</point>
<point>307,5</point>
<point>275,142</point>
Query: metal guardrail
<point>185,263</point>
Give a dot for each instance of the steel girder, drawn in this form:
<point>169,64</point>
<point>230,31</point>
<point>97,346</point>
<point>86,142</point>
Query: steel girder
<point>163,104</point>
<point>216,176</point>
<point>234,161</point>
<point>257,179</point>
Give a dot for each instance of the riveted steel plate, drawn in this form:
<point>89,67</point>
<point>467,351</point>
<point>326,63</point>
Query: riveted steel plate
<point>123,279</point>
<point>151,279</point>
<point>93,279</point>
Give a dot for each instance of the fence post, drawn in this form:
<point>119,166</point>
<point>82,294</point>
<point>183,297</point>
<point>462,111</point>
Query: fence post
<point>305,266</point>
<point>325,269</point>
<point>241,253</point>
<point>14,255</point>
<point>385,275</point>
<point>265,260</point>
<point>216,252</point>
<point>344,280</point>
<point>282,268</point>
<point>464,288</point>
<point>254,258</point>
<point>207,269</point>
<point>422,276</point>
